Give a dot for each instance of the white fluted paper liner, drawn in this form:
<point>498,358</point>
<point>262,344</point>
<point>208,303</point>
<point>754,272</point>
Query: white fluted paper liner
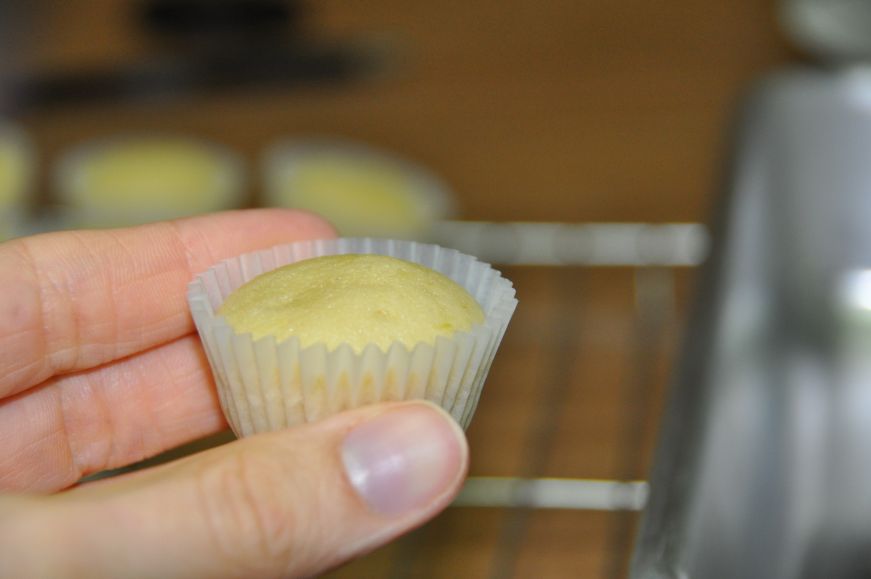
<point>267,385</point>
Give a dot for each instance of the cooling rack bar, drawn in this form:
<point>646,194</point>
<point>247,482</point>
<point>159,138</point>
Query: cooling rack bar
<point>600,244</point>
<point>531,243</point>
<point>553,493</point>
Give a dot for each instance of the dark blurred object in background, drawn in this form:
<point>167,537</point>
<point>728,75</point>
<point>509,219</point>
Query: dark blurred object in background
<point>198,47</point>
<point>184,21</point>
<point>829,29</point>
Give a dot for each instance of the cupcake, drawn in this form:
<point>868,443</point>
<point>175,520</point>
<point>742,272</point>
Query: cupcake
<point>299,332</point>
<point>16,178</point>
<point>130,180</point>
<point>361,191</point>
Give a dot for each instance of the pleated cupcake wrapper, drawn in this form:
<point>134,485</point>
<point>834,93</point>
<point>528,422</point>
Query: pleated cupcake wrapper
<point>267,385</point>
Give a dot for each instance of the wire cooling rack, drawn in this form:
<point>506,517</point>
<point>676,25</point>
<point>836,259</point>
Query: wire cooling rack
<point>497,528</point>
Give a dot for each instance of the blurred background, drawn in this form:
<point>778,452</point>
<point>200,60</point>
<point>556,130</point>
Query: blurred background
<point>520,131</point>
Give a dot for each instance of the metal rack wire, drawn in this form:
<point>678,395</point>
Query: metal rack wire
<point>653,253</point>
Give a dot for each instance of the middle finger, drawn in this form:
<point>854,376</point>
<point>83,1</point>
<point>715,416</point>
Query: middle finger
<point>108,417</point>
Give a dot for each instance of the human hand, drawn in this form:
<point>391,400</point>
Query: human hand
<point>100,367</point>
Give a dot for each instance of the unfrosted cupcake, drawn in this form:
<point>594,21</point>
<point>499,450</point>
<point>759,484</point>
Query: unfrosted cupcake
<point>380,320</point>
<point>128,180</point>
<point>16,178</point>
<point>360,190</point>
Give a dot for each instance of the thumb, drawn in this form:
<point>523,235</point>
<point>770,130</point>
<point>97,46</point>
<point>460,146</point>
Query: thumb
<point>284,504</point>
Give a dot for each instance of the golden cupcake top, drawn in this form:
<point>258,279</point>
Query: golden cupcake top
<point>360,191</point>
<point>14,167</point>
<point>353,298</point>
<point>356,194</point>
<point>149,172</point>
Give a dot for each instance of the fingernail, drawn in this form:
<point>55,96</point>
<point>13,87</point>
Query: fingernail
<point>402,460</point>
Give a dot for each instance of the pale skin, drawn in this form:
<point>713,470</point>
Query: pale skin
<point>100,367</point>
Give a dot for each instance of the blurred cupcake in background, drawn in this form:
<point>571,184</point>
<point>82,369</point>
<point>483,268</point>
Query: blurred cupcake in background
<point>135,179</point>
<point>362,191</point>
<point>17,172</point>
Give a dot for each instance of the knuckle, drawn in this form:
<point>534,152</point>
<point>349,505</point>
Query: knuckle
<point>250,522</point>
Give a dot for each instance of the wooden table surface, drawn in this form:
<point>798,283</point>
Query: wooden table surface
<point>562,110</point>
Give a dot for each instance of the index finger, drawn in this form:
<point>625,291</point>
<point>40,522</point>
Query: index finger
<point>75,300</point>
